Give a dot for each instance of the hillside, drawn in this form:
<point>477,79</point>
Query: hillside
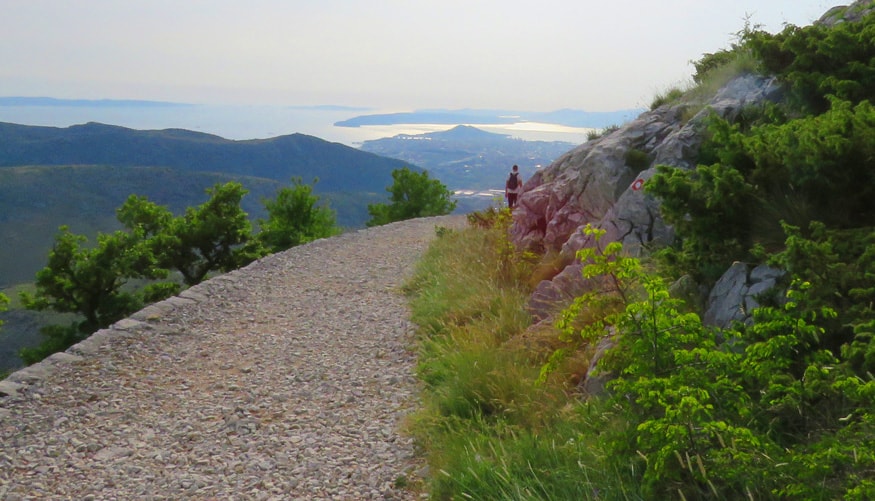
<point>702,321</point>
<point>173,167</point>
<point>78,176</point>
<point>34,206</point>
<point>468,158</point>
<point>338,167</point>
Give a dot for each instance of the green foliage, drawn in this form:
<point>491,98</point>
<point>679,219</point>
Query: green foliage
<point>829,160</point>
<point>214,236</point>
<point>839,267</point>
<point>702,414</point>
<point>294,218</point>
<point>86,197</point>
<point>55,338</point>
<point>710,208</point>
<point>488,430</point>
<point>597,133</point>
<point>94,282</point>
<point>4,304</point>
<point>809,158</point>
<point>711,62</point>
<point>818,167</point>
<point>781,408</point>
<point>670,96</point>
<point>637,160</point>
<point>819,61</point>
<point>89,280</point>
<point>412,195</point>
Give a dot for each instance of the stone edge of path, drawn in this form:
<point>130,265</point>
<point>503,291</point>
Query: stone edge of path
<point>147,319</point>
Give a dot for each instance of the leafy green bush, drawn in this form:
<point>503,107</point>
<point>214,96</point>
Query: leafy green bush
<point>758,410</point>
<point>810,168</point>
<point>808,158</point>
<point>294,218</point>
<point>412,195</point>
<point>637,160</point>
<point>710,208</point>
<point>97,282</point>
<point>819,61</point>
<point>90,280</point>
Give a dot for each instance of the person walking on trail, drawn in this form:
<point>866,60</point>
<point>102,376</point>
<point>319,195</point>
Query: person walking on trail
<point>513,187</point>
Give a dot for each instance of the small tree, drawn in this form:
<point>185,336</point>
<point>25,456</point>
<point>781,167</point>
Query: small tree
<point>412,195</point>
<point>90,281</point>
<point>215,236</point>
<point>294,218</point>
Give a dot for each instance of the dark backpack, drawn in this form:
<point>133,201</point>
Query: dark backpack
<point>513,181</point>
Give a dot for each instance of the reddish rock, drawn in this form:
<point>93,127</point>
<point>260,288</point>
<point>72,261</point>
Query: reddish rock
<point>601,183</point>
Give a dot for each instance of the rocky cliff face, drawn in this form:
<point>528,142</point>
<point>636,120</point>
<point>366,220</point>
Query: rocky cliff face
<point>601,181</point>
<point>850,13</point>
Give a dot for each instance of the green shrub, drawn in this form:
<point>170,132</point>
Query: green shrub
<point>637,160</point>
<point>597,133</point>
<point>757,410</point>
<point>670,96</point>
<point>818,61</point>
<point>295,217</point>
<point>412,194</point>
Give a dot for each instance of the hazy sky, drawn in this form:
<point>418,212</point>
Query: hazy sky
<point>391,54</point>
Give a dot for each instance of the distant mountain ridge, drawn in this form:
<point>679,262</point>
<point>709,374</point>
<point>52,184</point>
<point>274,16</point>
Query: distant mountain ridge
<point>567,117</point>
<point>338,167</point>
<point>79,175</point>
<point>469,158</point>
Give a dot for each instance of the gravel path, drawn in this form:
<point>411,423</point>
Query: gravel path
<point>285,380</point>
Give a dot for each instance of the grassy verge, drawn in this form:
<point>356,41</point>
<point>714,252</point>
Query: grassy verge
<point>487,428</point>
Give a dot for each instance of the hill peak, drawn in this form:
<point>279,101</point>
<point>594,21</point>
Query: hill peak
<point>465,132</point>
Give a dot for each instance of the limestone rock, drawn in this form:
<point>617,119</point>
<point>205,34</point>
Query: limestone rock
<point>850,13</point>
<point>564,287</point>
<point>735,295</point>
<point>593,384</point>
<point>600,183</point>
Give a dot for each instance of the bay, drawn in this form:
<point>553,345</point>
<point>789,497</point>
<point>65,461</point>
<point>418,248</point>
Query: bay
<point>260,122</point>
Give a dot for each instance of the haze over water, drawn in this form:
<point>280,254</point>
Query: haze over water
<point>258,122</point>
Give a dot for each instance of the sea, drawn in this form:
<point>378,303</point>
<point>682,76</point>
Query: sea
<point>239,122</point>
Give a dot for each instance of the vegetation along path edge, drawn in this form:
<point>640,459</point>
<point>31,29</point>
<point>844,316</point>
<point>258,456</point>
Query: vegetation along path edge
<point>286,379</point>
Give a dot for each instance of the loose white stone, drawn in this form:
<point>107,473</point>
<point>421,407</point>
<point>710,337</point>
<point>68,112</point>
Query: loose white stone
<point>285,380</point>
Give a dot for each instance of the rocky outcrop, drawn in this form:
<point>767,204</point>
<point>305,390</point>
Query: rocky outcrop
<point>600,183</point>
<point>739,291</point>
<point>850,13</point>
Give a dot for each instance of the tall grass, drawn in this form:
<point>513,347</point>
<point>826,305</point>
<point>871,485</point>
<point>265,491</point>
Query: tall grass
<point>487,428</point>
<point>695,94</point>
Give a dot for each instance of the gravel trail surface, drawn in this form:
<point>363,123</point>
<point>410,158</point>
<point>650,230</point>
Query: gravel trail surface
<point>287,379</point>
